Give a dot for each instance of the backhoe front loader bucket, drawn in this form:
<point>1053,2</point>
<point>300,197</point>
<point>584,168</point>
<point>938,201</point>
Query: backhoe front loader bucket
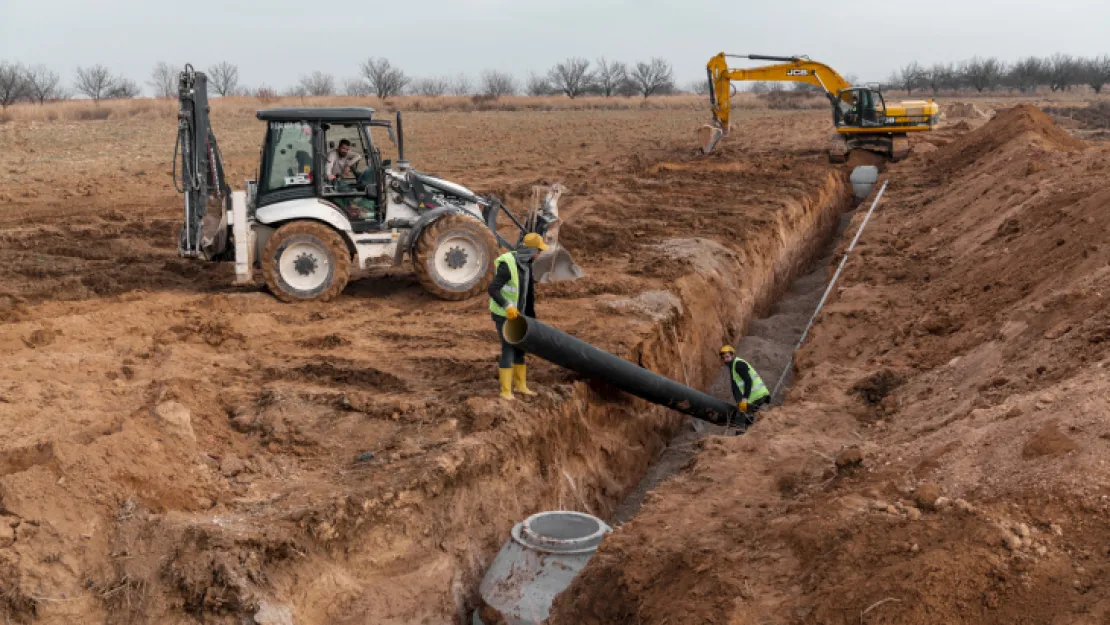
<point>708,136</point>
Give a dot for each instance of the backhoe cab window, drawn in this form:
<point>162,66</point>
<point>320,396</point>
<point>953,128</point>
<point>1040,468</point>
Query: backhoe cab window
<point>290,155</point>
<point>346,158</point>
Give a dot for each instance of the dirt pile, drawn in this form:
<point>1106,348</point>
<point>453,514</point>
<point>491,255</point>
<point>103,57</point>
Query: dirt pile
<point>1005,128</point>
<point>963,110</point>
<point>962,366</point>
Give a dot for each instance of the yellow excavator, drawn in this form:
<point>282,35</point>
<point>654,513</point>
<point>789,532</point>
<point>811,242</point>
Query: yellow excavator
<point>862,118</point>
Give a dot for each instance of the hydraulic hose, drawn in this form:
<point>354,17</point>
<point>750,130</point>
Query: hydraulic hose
<point>579,356</point>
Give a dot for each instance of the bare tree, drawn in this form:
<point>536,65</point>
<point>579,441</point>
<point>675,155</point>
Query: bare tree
<point>653,77</point>
<point>265,93</point>
<point>385,80</point>
<point>433,87</point>
<point>295,91</point>
<point>538,85</point>
<point>938,77</point>
<point>496,84</point>
<point>461,85</point>
<point>317,84</point>
<point>356,87</point>
<point>13,83</point>
<point>699,87</point>
<point>94,81</point>
<point>42,84</point>
<point>981,73</point>
<point>1064,72</point>
<point>609,77</point>
<point>123,89</point>
<point>163,80</point>
<point>573,77</point>
<point>1025,74</point>
<point>911,77</point>
<point>224,78</point>
<point>1096,72</point>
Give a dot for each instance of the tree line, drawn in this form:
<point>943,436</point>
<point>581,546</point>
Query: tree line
<point>572,78</point>
<point>377,76</point>
<point>1059,72</point>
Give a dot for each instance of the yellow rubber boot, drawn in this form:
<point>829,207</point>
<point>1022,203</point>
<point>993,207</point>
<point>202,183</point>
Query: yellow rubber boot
<point>519,377</point>
<point>506,378</point>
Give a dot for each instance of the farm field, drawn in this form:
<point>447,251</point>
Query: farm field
<point>179,450</point>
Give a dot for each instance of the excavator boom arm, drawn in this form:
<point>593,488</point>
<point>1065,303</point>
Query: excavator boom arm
<point>785,69</point>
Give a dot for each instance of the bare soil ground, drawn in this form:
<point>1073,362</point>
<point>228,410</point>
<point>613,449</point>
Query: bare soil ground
<point>942,455</point>
<point>179,451</point>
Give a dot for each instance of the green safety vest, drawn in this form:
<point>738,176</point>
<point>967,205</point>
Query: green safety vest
<point>511,290</point>
<point>758,390</point>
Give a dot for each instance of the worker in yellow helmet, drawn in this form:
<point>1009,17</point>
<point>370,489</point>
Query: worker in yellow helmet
<point>511,293</point>
<point>748,389</point>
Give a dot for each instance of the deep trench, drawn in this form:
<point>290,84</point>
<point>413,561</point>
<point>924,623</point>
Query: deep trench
<point>767,345</point>
<point>767,342</point>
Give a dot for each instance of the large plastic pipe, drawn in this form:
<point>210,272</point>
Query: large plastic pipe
<point>564,350</point>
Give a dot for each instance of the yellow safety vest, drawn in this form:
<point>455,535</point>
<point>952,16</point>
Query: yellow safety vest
<point>758,390</point>
<point>511,290</point>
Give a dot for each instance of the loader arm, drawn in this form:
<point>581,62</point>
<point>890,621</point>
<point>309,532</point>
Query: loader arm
<point>785,69</point>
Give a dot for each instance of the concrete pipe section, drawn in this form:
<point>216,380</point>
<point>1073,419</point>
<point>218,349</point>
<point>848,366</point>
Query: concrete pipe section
<point>863,179</point>
<point>546,552</point>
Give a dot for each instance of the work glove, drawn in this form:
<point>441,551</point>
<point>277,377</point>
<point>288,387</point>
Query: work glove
<point>512,313</point>
<point>743,406</point>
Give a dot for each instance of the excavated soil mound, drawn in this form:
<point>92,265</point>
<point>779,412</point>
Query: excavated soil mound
<point>963,110</point>
<point>1005,127</point>
<point>941,457</point>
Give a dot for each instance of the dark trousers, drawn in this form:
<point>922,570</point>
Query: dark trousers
<point>510,355</point>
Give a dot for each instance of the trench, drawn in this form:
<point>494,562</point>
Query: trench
<point>767,345</point>
<point>761,307</point>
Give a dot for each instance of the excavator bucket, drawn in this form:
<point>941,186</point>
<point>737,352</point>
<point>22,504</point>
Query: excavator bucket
<point>556,264</point>
<point>708,136</point>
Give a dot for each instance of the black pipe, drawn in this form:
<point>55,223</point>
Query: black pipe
<point>564,350</point>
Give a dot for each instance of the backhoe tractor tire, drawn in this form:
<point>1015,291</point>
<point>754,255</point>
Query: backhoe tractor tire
<point>306,261</point>
<point>453,259</point>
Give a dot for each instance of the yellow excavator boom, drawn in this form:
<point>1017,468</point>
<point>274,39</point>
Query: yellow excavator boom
<point>787,69</point>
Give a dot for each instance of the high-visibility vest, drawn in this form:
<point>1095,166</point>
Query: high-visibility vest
<point>511,290</point>
<point>758,390</point>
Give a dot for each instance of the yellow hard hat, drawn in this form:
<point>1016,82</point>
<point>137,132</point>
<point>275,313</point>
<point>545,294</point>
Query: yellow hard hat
<point>727,349</point>
<point>535,241</point>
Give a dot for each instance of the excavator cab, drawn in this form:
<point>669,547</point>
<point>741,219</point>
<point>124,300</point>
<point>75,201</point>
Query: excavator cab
<point>859,107</point>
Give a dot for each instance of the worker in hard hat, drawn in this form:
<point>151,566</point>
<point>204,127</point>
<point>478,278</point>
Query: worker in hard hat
<point>748,389</point>
<point>512,293</point>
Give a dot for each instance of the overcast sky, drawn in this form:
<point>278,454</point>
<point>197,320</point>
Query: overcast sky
<point>281,40</point>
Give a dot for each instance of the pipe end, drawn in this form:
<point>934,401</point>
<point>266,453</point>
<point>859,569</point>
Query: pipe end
<point>515,329</point>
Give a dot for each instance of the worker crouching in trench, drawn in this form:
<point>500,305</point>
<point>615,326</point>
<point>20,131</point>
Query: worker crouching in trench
<point>511,293</point>
<point>748,390</point>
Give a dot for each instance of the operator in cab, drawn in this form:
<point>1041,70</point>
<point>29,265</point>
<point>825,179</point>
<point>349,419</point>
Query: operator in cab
<point>748,390</point>
<point>511,293</point>
<point>341,159</point>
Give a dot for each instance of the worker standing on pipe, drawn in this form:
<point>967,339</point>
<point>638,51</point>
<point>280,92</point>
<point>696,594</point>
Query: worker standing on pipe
<point>513,289</point>
<point>748,389</point>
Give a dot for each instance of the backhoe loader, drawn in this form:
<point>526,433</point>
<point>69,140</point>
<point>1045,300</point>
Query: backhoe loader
<point>325,205</point>
<point>861,117</point>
